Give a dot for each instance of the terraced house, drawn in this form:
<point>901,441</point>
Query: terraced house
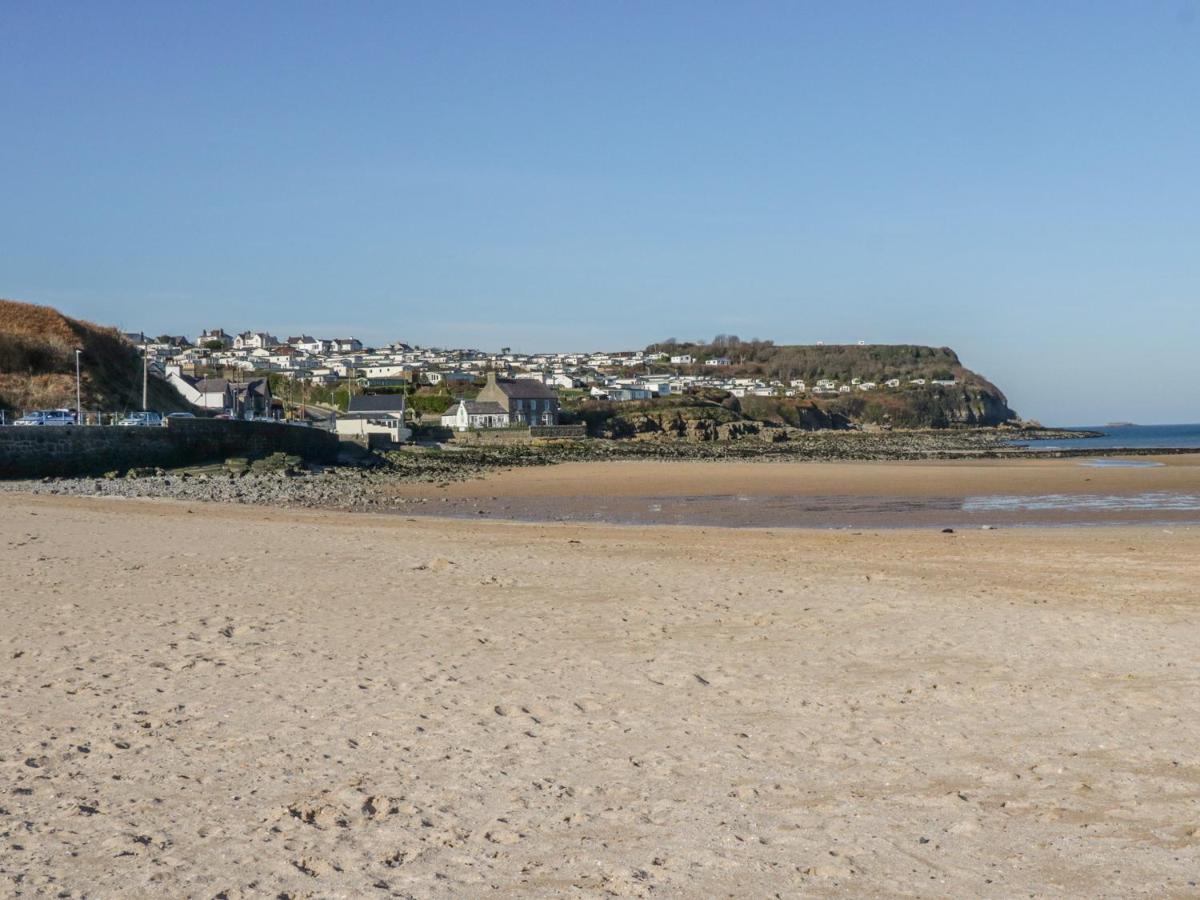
<point>526,401</point>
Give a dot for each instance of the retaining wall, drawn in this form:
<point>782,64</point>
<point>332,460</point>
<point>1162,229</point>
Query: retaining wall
<point>34,452</point>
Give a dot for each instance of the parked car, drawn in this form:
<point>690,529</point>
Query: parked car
<point>181,415</point>
<point>141,419</point>
<point>47,417</point>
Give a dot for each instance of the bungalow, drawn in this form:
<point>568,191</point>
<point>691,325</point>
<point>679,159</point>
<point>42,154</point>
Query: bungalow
<point>469,414</point>
<point>374,414</point>
<point>624,394</point>
<point>386,371</point>
<point>526,402</point>
<point>684,359</point>
<point>345,345</point>
<point>662,388</point>
<point>717,361</point>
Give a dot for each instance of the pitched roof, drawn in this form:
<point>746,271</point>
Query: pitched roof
<point>475,408</point>
<point>377,403</point>
<point>525,389</point>
<point>258,386</point>
<point>212,385</point>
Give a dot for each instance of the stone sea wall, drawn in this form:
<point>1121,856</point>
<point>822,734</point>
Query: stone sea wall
<point>56,450</point>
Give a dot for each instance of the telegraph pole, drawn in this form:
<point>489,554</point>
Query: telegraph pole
<point>78,404</point>
<point>145,374</point>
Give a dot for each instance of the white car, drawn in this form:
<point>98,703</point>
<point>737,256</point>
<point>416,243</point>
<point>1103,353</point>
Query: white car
<point>141,419</point>
<point>47,417</point>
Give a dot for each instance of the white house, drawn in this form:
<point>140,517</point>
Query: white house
<point>684,359</point>
<point>717,361</point>
<point>205,393</point>
<point>374,414</point>
<point>468,414</point>
<point>254,340</point>
<point>386,371</point>
<point>308,344</point>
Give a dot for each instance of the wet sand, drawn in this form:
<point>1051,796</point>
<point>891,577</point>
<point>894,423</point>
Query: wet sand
<point>208,701</point>
<point>1008,493</point>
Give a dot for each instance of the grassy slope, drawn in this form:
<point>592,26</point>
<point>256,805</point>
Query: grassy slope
<point>37,363</point>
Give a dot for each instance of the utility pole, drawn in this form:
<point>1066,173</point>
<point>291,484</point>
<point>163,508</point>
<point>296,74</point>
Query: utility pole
<point>78,404</point>
<point>145,375</point>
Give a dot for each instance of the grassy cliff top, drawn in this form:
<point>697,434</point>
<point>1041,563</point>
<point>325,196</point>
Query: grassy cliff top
<point>810,362</point>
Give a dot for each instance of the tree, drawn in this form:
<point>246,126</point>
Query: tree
<point>213,345</point>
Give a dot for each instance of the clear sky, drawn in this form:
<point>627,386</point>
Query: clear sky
<point>1017,180</point>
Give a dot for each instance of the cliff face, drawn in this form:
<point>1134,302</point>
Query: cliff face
<point>965,403</point>
<point>971,400</point>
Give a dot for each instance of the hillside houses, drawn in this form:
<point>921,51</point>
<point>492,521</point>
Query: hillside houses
<point>621,376</point>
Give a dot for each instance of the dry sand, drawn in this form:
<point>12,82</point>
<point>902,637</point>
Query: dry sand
<point>211,701</point>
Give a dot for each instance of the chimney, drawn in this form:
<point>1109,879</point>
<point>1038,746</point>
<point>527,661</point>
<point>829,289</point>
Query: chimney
<point>491,379</point>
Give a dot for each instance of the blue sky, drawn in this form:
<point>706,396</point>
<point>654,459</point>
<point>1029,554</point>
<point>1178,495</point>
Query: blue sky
<point>1020,181</point>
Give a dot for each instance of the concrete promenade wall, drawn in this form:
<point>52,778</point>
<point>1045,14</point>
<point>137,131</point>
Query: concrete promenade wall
<point>57,450</point>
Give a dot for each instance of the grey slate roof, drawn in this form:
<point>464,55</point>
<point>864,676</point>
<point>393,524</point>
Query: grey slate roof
<point>525,389</point>
<point>376,403</point>
<point>475,408</point>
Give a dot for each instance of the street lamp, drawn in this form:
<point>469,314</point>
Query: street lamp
<point>78,404</point>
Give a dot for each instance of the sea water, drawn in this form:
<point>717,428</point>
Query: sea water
<point>1124,437</point>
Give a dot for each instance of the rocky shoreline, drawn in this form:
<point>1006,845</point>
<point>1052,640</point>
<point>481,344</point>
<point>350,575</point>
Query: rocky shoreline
<point>363,484</point>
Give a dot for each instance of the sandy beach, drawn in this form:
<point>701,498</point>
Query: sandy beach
<point>205,700</point>
<point>941,477</point>
<point>1163,490</point>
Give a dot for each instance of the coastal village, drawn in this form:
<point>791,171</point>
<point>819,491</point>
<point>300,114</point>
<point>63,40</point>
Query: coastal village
<point>223,373</point>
